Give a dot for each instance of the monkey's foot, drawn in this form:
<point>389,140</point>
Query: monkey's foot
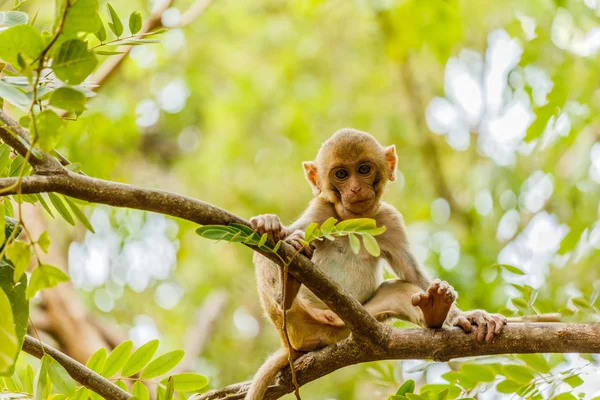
<point>326,317</point>
<point>435,303</point>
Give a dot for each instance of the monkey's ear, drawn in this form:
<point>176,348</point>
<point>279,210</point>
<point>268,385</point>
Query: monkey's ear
<point>392,160</point>
<point>310,172</point>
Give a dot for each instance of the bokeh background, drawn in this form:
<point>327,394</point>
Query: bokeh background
<point>493,107</point>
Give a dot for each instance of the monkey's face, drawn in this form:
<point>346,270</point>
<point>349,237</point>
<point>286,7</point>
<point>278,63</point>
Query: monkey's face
<point>354,185</point>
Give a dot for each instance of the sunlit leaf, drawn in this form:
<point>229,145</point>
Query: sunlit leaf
<point>14,96</point>
<point>478,372</point>
<point>82,17</point>
<point>59,377</point>
<point>135,22</point>
<point>354,243</point>
<point>140,358</point>
<point>188,382</point>
<point>327,226</point>
<point>79,214</point>
<point>101,33</point>
<point>9,343</point>
<point>115,23</point>
<point>574,381</point>
<point>407,387</point>
<point>97,360</point>
<point>47,126</point>
<point>117,359</point>
<point>20,39</point>
<point>162,364</point>
<point>581,303</point>
<point>19,254</point>
<point>510,268</point>
<point>371,245</point>
<point>68,99</point>
<point>170,389</point>
<point>44,277</point>
<point>44,204</point>
<point>60,207</point>
<point>74,62</point>
<point>263,240</point>
<point>41,384</point>
<point>536,361</point>
<point>309,233</point>
<point>140,391</point>
<point>517,373</point>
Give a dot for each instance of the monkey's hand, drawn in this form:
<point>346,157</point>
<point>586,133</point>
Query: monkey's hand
<point>295,240</point>
<point>487,325</point>
<point>269,224</point>
<point>326,317</point>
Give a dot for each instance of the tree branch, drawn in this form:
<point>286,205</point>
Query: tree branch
<point>78,371</point>
<point>439,345</point>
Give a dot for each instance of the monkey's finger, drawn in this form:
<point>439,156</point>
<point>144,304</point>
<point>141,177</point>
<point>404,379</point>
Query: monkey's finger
<point>481,328</point>
<point>434,286</point>
<point>451,296</point>
<point>464,323</point>
<point>282,234</point>
<point>416,299</point>
<point>491,330</point>
<point>308,251</point>
<point>499,319</point>
<point>443,287</point>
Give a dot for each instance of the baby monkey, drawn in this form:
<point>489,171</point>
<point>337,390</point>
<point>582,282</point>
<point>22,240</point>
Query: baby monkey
<point>347,180</point>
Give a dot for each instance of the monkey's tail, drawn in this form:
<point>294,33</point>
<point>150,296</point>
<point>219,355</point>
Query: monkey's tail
<point>266,373</point>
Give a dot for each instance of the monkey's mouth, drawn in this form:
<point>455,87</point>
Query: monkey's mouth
<point>358,206</point>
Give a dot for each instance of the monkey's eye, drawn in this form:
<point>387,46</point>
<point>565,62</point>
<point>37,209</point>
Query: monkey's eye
<point>364,169</point>
<point>341,174</point>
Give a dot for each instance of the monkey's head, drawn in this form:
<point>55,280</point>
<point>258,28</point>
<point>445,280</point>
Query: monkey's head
<point>351,171</point>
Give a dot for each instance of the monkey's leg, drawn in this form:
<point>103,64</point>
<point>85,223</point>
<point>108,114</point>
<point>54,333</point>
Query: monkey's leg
<point>407,301</point>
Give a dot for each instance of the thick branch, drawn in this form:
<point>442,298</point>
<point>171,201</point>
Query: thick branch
<point>439,345</point>
<point>78,371</point>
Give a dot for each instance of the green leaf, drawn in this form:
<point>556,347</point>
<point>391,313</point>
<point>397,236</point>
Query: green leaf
<point>188,382</point>
<point>309,233</point>
<point>565,396</point>
<point>510,268</point>
<point>83,393</point>
<point>328,226</point>
<point>19,254</point>
<point>44,241</point>
<point>122,385</point>
<point>115,25</point>
<point>41,384</point>
<point>44,204</point>
<point>4,158</point>
<point>356,224</point>
<point>478,372</point>
<point>60,207</point>
<point>412,396</point>
<point>407,387</point>
<point>2,224</point>
<point>18,302</point>
<point>157,32</point>
<point>9,343</point>
<point>519,302</point>
<point>536,361</point>
<point>108,53</point>
<point>12,18</point>
<point>74,62</point>
<point>277,246</point>
<point>135,22</point>
<point>97,360</point>
<point>581,303</point>
<point>14,96</point>
<point>44,277</point>
<point>59,377</point>
<point>8,207</point>
<point>140,391</point>
<point>354,243</point>
<point>20,39</point>
<point>170,389</point>
<point>140,358</point>
<point>29,378</point>
<point>79,214</point>
<point>371,245</point>
<point>68,99</point>
<point>518,373</point>
<point>82,17</point>
<point>101,33</point>
<point>47,126</point>
<point>117,359</point>
<point>263,240</point>
<point>574,381</point>
<point>162,364</point>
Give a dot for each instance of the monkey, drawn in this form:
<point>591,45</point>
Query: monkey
<point>347,180</point>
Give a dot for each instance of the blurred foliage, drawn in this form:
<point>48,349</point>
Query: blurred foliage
<point>227,108</point>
